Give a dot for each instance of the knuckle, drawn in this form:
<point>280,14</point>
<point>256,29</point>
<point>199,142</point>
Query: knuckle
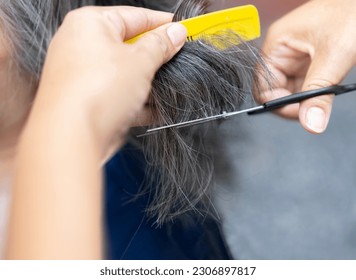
<point>318,81</point>
<point>324,101</point>
<point>315,83</point>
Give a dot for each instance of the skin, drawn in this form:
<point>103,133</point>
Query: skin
<point>75,123</point>
<point>93,86</point>
<point>16,93</point>
<point>309,48</point>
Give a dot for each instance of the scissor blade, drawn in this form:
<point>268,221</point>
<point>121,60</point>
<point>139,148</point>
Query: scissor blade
<point>200,121</point>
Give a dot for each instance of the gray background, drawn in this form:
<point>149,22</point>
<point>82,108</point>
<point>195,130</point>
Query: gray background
<point>292,194</point>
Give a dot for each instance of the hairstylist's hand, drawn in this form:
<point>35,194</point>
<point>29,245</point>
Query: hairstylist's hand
<point>89,66</point>
<point>92,87</point>
<point>312,47</point>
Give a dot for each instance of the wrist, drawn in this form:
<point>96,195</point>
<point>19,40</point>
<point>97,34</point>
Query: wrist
<point>58,184</point>
<point>70,117</point>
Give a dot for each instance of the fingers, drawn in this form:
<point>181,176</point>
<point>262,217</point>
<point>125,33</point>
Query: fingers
<point>300,65</point>
<point>131,21</point>
<point>280,81</point>
<point>124,22</point>
<point>160,45</point>
<point>92,42</point>
<point>287,60</point>
<point>289,111</point>
<point>326,69</point>
<point>314,114</point>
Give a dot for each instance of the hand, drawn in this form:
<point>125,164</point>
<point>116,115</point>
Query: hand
<point>88,64</point>
<point>312,47</point>
<point>93,85</point>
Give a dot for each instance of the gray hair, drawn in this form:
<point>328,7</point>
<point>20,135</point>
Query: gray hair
<point>201,80</point>
<point>30,25</point>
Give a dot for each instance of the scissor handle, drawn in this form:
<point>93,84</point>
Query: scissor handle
<point>301,96</point>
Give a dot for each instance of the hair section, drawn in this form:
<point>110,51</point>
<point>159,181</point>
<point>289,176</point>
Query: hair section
<point>30,26</point>
<point>200,81</point>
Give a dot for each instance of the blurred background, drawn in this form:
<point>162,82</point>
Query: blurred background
<point>292,195</point>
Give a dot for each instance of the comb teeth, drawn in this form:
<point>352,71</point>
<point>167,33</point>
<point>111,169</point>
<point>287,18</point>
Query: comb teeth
<point>190,38</point>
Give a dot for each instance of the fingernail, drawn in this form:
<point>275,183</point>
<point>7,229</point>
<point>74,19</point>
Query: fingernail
<point>316,119</point>
<point>177,33</point>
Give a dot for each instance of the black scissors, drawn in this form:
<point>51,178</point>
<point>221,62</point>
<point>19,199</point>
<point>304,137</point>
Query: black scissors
<point>265,107</point>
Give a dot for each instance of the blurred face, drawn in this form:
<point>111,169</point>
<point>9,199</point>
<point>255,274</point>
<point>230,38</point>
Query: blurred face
<point>16,91</point>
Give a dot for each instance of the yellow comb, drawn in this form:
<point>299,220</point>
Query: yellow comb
<point>243,20</point>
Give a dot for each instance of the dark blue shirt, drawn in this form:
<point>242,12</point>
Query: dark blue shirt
<point>131,235</point>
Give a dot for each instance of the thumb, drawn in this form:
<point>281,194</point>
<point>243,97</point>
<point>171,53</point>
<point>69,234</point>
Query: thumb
<point>326,69</point>
<point>159,46</point>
